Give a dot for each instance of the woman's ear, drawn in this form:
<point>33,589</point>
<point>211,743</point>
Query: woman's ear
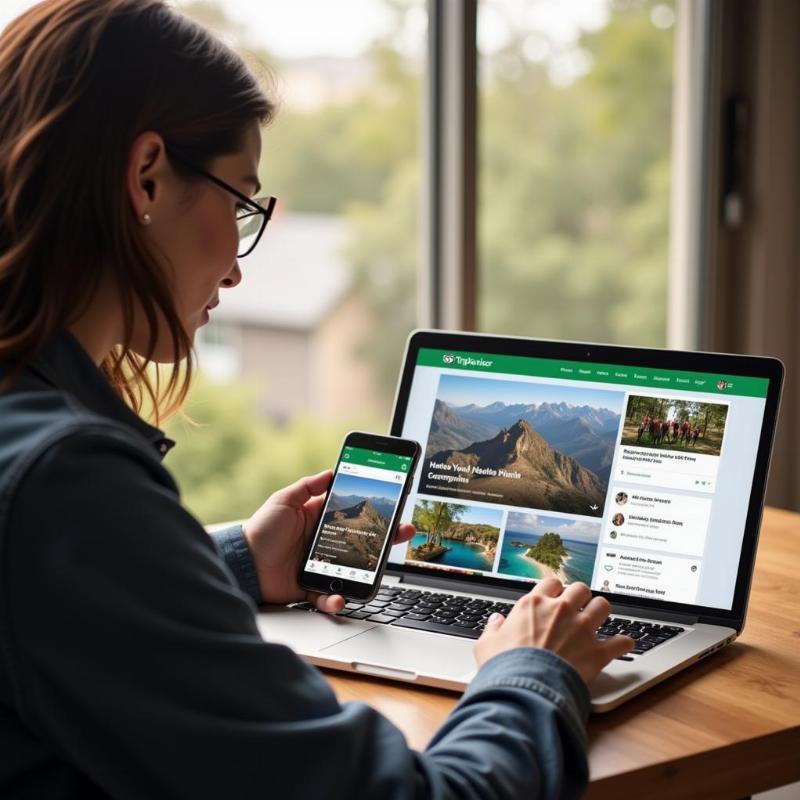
<point>148,168</point>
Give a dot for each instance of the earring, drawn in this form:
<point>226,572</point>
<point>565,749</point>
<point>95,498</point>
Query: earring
<point>146,218</point>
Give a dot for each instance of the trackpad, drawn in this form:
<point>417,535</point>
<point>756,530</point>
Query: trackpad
<point>412,652</point>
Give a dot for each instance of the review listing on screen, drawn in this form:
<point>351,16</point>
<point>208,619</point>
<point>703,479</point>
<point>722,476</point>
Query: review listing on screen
<point>642,574</point>
<point>663,521</point>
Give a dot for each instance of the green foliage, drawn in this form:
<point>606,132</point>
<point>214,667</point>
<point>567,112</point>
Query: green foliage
<point>575,190</point>
<point>573,224</point>
<point>434,518</point>
<point>229,460</point>
<point>549,550</point>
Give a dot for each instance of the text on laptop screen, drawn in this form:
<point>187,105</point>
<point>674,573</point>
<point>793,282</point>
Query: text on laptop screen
<point>633,480</point>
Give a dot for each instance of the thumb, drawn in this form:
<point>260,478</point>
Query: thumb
<point>329,603</point>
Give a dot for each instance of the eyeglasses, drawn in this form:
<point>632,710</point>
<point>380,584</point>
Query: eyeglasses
<point>252,216</point>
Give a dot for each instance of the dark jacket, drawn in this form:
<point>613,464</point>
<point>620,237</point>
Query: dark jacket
<point>132,667</point>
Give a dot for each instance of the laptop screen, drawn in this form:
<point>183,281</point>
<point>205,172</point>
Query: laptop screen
<point>634,480</point>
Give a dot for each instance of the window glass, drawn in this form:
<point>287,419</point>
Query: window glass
<point>574,168</point>
<point>309,345</point>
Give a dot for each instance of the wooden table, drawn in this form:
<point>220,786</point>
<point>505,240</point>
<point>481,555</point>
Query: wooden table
<point>726,728</point>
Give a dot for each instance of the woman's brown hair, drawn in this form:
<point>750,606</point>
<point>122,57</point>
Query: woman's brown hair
<point>79,80</point>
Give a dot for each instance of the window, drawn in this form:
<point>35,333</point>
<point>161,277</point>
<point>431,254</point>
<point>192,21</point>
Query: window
<point>575,104</point>
<point>575,108</point>
<point>219,349</point>
<point>309,344</point>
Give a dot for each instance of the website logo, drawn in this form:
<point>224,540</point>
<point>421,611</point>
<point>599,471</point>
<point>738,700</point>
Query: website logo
<point>722,385</point>
<point>448,359</point>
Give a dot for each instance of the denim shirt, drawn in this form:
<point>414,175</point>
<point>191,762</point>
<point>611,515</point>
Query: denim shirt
<point>131,665</point>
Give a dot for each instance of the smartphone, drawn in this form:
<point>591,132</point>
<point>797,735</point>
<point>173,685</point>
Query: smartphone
<point>361,512</point>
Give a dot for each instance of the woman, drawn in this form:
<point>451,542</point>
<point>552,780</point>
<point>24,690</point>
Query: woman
<point>132,665</point>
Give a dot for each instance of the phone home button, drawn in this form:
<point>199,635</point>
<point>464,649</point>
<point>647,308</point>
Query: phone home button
<point>336,585</point>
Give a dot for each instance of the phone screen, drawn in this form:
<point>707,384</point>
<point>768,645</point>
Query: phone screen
<point>358,514</point>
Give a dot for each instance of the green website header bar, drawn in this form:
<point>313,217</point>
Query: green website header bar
<point>374,458</point>
<point>632,377</point>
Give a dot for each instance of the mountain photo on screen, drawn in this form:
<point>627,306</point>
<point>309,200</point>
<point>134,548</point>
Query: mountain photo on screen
<point>517,443</point>
<point>356,521</point>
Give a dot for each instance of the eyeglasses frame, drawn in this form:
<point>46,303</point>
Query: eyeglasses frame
<point>256,208</point>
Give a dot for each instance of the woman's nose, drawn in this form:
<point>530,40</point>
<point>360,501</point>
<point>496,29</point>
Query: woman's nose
<point>233,278</point>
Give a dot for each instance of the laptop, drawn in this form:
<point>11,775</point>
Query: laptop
<point>641,472</point>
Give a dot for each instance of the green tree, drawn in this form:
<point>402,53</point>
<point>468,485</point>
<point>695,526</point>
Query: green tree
<point>575,188</point>
<point>573,219</point>
<point>229,460</point>
<point>434,519</point>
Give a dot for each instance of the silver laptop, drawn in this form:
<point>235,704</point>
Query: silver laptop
<point>640,472</point>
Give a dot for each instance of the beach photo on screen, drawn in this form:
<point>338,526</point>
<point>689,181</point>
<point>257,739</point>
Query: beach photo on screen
<point>455,535</point>
<point>538,546</point>
<point>522,443</point>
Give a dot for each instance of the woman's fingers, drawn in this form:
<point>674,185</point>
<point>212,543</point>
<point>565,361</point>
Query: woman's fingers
<point>577,595</point>
<point>597,610</point>
<point>494,621</point>
<point>404,532</point>
<point>552,587</point>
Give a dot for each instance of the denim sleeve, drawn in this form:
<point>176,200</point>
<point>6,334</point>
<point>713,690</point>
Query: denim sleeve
<point>140,662</point>
<point>232,547</point>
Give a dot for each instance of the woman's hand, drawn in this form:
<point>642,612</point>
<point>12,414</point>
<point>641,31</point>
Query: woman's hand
<point>562,620</point>
<point>279,533</point>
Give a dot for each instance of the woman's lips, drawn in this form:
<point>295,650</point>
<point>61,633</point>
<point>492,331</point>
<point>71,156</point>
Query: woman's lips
<point>207,310</point>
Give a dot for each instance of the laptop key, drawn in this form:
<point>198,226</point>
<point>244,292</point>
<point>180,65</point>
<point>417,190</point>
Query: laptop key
<point>385,619</point>
<point>359,615</point>
<point>412,615</point>
<point>428,625</point>
<point>389,613</point>
<point>353,606</point>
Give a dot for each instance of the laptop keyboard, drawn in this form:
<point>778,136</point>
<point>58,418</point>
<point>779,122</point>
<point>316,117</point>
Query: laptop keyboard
<point>457,615</point>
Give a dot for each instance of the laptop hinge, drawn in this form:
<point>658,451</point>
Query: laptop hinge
<point>653,613</point>
<point>453,585</point>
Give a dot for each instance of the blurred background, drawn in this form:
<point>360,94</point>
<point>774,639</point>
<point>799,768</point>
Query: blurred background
<point>310,344</point>
<point>574,175</point>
